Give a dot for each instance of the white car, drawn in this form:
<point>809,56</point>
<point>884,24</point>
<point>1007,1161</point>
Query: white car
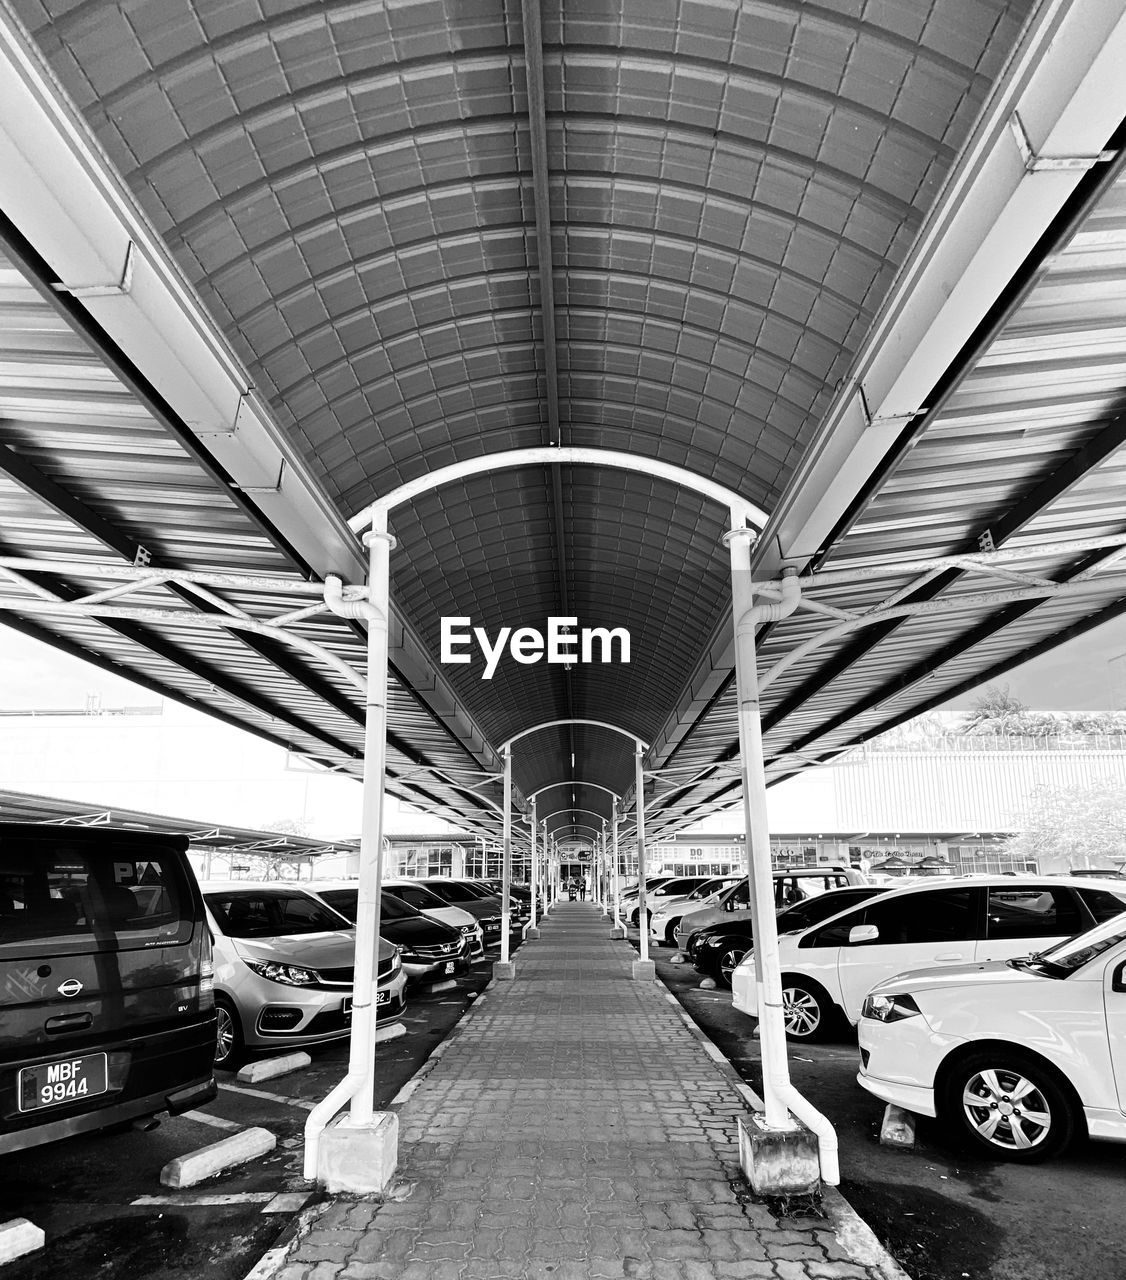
<point>791,884</point>
<point>666,918</point>
<point>1018,1055</point>
<point>829,968</point>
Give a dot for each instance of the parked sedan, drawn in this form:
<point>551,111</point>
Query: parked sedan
<point>467,896</point>
<point>666,918</point>
<point>827,970</point>
<point>284,966</point>
<point>791,884</point>
<point>717,949</point>
<point>655,899</point>
<point>427,948</point>
<point>422,899</point>
<point>1017,1055</point>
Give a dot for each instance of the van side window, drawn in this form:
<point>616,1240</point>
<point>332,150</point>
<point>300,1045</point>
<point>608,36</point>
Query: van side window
<point>947,915</point>
<point>1033,911</point>
<point>71,898</point>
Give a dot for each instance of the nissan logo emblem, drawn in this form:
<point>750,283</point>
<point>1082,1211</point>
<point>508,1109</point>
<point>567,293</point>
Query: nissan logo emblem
<point>71,987</point>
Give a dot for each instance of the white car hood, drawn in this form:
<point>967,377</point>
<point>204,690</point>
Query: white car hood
<point>989,973</point>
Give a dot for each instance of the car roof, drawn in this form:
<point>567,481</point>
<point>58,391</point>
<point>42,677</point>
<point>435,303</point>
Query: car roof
<point>209,886</point>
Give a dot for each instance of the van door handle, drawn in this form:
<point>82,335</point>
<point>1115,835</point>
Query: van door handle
<point>949,957</point>
<point>68,1022</point>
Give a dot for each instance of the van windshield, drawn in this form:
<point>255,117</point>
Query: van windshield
<point>270,913</point>
<point>74,897</point>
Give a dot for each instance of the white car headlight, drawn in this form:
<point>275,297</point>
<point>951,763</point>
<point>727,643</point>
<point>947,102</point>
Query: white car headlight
<point>290,975</point>
<point>889,1008</point>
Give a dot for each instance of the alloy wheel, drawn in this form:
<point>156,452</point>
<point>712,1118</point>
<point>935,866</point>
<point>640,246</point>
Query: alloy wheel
<point>801,1012</point>
<point>1006,1109</point>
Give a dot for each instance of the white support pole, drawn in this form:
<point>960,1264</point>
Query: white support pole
<point>639,804</point>
<point>617,874</point>
<point>506,864</point>
<point>361,1049</point>
<point>768,974</point>
<point>534,868</point>
<point>604,878</point>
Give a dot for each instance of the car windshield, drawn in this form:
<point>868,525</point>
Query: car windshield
<point>711,886</point>
<point>346,901</point>
<point>417,896</point>
<point>271,913</point>
<point>449,892</point>
<point>1073,953</point>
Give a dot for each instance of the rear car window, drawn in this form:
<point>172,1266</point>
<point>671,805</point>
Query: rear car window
<point>1103,904</point>
<point>250,913</point>
<point>65,899</point>
<point>1033,911</point>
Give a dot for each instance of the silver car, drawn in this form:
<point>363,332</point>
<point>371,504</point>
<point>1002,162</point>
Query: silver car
<point>283,969</point>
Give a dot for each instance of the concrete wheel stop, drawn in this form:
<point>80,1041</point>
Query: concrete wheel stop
<point>778,1162</point>
<point>644,971</point>
<point>504,970</point>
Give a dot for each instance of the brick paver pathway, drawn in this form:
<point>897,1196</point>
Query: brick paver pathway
<point>572,1129</point>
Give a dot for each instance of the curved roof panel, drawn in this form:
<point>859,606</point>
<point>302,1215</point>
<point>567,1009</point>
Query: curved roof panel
<point>351,190</point>
<point>430,233</point>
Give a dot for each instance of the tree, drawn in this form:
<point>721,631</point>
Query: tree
<point>997,711</point>
<point>1073,827</point>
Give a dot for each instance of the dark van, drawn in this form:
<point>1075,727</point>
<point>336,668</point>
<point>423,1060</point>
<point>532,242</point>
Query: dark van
<point>107,1012</point>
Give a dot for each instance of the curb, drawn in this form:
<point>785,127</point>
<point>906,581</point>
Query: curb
<point>271,1262</point>
<point>274,1259</point>
<point>855,1235</point>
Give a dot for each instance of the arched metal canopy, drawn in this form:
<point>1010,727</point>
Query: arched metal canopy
<point>862,269</point>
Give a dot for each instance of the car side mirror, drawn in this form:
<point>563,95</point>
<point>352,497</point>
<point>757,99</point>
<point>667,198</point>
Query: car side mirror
<point>729,905</point>
<point>1118,981</point>
<point>863,933</point>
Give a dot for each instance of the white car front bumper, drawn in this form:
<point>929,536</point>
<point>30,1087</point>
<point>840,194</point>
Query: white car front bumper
<point>899,1061</point>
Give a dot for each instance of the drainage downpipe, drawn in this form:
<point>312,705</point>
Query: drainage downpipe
<point>358,1081</point>
<point>780,1096</point>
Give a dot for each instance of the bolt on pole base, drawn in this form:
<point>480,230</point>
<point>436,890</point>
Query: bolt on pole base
<point>504,970</point>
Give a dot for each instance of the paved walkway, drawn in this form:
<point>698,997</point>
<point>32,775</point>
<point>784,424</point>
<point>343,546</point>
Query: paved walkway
<point>572,1129</point>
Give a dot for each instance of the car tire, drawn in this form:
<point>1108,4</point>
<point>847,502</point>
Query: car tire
<point>731,952</point>
<point>229,1044</point>
<point>670,930</point>
<point>981,1086</point>
<point>807,1009</point>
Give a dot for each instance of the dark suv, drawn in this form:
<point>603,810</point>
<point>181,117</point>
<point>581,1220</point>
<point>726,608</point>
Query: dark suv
<point>107,1012</point>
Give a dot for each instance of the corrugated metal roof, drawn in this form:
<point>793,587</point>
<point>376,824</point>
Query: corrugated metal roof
<point>730,193</point>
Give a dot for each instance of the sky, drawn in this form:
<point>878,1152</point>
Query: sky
<point>1084,674</point>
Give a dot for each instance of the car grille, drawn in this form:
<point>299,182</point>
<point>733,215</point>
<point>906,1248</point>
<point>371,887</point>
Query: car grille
<point>338,977</point>
<point>442,951</point>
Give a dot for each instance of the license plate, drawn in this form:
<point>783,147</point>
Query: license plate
<point>53,1084</point>
<point>383,997</point>
<point>449,967</point>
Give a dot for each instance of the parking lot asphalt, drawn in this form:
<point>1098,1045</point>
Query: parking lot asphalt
<point>99,1200</point>
<point>941,1212</point>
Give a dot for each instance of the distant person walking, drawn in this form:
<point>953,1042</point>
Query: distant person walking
<point>582,888</point>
